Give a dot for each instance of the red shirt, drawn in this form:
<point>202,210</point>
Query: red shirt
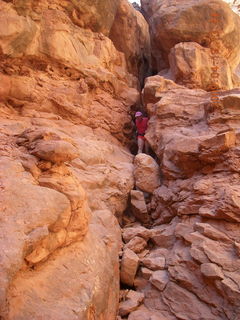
<point>142,125</point>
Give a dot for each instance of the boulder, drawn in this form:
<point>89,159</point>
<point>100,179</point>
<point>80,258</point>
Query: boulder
<point>154,263</point>
<point>133,300</point>
<point>211,232</point>
<point>138,206</point>
<point>146,273</point>
<point>214,146</point>
<point>132,232</point>
<point>129,266</point>
<point>192,66</point>
<point>136,244</point>
<point>146,173</point>
<point>159,279</point>
<point>154,86</point>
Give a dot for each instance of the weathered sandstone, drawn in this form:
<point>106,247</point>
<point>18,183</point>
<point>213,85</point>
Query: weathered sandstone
<point>130,34</point>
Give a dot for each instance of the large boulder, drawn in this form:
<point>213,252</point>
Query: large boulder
<point>192,65</point>
<point>146,173</point>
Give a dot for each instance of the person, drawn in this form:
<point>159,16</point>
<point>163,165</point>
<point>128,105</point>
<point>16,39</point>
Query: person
<point>141,124</point>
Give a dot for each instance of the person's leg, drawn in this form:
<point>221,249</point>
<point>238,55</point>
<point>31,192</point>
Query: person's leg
<point>146,146</point>
<point>140,145</point>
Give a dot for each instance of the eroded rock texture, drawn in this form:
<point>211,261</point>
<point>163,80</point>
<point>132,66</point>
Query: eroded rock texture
<point>189,268</point>
<point>70,74</point>
<point>195,210</point>
<point>65,176</point>
<point>210,24</point>
<point>188,253</point>
<point>130,34</point>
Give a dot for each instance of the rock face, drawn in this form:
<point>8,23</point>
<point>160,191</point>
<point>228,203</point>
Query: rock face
<point>189,268</point>
<point>64,82</point>
<point>70,74</point>
<point>65,173</point>
<point>194,256</point>
<point>98,17</point>
<point>130,34</point>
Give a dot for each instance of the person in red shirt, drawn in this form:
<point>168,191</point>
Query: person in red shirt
<point>141,124</point>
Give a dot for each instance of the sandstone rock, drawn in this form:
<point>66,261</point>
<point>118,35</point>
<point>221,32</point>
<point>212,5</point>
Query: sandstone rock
<point>174,22</point>
<point>140,314</point>
<point>159,279</point>
<point>140,283</point>
<point>163,236</point>
<point>78,259</point>
<point>183,229</point>
<point>136,244</point>
<point>230,290</point>
<point>212,147</point>
<point>130,34</point>
<point>154,86</point>
<point>211,232</point>
<point>154,263</point>
<point>133,300</point>
<point>211,270</point>
<point>44,208</point>
<point>191,65</point>
<point>82,96</point>
<point>146,273</point>
<point>174,296</point>
<point>146,173</point>
<point>222,254</point>
<point>83,67</point>
<point>144,314</point>
<point>198,254</point>
<point>59,82</point>
<point>94,16</point>
<point>129,267</point>
<point>197,145</point>
<point>143,254</point>
<point>130,233</point>
<point>55,151</point>
<point>237,246</point>
<point>84,14</point>
<point>138,206</point>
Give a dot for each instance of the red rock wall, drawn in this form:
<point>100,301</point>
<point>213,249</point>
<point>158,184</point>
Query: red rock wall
<point>181,239</point>
<point>65,102</point>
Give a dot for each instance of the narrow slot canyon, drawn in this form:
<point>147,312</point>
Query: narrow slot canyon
<point>90,229</point>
